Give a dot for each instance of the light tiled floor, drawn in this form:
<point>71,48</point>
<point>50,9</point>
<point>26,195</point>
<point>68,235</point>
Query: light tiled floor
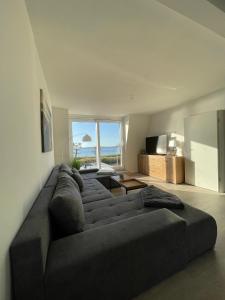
<point>203,278</point>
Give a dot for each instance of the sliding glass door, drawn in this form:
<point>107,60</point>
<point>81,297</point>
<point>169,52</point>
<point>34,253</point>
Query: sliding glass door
<point>97,143</point>
<point>110,143</point>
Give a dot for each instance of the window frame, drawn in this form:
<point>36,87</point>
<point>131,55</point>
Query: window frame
<point>97,121</point>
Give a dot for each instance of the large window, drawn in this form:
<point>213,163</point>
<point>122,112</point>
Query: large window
<point>84,142</point>
<point>97,143</point>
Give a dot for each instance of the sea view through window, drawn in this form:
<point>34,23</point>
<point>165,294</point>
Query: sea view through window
<point>97,143</point>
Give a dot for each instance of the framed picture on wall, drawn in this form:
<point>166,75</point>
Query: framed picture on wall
<point>46,123</point>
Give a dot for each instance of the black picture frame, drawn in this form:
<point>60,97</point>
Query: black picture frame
<point>46,123</point>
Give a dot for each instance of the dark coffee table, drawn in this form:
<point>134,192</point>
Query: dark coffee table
<point>129,183</point>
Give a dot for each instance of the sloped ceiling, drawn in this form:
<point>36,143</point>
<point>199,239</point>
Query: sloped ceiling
<point>219,3</point>
<point>117,57</point>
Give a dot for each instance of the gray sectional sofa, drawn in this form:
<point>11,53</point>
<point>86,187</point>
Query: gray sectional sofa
<point>124,247</point>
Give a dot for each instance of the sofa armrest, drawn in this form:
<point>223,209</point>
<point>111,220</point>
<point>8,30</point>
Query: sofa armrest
<point>86,171</point>
<point>119,260</point>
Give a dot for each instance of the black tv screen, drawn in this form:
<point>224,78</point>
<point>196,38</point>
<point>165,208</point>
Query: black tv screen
<point>156,144</point>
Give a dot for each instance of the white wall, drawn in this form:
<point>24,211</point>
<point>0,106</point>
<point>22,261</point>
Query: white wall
<point>201,150</point>
<point>136,129</point>
<point>172,121</point>
<point>61,135</point>
<point>23,167</point>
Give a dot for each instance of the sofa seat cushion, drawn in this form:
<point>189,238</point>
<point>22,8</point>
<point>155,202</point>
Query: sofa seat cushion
<point>103,179</point>
<point>111,210</point>
<point>93,190</point>
<point>201,227</point>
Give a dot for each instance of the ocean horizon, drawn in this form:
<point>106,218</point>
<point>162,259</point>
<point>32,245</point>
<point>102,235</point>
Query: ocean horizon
<point>91,151</point>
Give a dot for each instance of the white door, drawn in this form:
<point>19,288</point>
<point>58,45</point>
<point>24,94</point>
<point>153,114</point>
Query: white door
<point>201,150</point>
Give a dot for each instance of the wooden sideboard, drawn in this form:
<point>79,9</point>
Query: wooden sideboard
<point>165,167</point>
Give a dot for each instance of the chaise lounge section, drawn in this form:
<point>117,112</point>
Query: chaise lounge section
<point>124,247</point>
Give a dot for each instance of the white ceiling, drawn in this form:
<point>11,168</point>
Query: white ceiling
<point>115,57</point>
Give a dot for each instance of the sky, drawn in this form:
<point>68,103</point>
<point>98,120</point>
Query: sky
<point>109,133</point>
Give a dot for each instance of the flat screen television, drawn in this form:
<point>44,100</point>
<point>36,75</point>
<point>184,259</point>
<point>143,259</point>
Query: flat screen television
<point>156,144</point>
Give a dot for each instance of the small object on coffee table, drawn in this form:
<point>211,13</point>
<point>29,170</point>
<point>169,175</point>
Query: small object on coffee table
<point>129,184</point>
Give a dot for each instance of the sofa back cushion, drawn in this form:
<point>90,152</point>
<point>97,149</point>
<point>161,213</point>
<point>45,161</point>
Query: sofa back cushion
<point>66,207</point>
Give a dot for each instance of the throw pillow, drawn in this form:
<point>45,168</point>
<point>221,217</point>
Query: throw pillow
<point>77,177</point>
<point>68,177</point>
<point>65,168</point>
<point>74,170</point>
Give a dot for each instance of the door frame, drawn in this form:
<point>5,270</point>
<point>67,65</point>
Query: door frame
<point>221,149</point>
